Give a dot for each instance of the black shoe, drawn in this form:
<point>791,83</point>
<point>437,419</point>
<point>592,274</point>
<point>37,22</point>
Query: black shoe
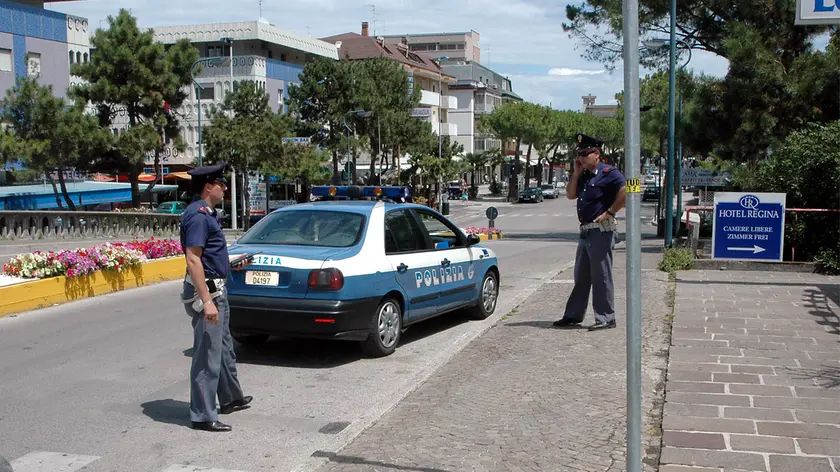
<point>599,325</point>
<point>212,426</point>
<point>236,405</point>
<point>566,323</point>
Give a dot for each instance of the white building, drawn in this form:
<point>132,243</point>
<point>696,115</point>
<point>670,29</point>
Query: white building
<point>262,52</point>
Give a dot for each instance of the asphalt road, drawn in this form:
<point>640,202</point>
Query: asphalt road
<point>103,383</point>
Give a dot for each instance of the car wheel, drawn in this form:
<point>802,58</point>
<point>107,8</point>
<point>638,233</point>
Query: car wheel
<point>487,298</point>
<point>249,339</point>
<point>385,329</point>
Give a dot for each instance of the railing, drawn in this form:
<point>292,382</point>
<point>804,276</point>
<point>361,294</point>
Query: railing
<point>694,233</point>
<point>85,224</point>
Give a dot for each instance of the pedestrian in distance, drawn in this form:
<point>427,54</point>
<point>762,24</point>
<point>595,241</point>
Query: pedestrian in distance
<point>600,193</point>
<point>213,370</point>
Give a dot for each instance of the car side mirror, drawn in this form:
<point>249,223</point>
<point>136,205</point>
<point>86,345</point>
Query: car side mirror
<point>473,239</point>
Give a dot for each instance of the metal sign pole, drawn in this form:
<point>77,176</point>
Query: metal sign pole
<point>632,143</point>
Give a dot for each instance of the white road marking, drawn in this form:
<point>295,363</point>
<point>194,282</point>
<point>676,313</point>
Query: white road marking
<point>194,468</point>
<point>43,461</point>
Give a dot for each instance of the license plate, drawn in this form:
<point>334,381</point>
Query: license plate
<point>258,277</point>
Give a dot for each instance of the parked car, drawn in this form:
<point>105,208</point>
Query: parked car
<point>650,193</point>
<point>549,190</point>
<point>650,179</point>
<point>357,270</point>
<point>172,208</point>
<point>531,194</point>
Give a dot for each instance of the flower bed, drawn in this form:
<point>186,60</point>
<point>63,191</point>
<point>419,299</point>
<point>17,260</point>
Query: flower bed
<point>77,262</point>
<point>476,230</point>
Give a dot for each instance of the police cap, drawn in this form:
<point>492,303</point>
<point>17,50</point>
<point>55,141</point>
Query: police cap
<point>588,142</point>
<point>208,173</point>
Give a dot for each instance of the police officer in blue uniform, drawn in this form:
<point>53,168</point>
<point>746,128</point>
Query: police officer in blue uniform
<point>599,190</point>
<point>213,371</point>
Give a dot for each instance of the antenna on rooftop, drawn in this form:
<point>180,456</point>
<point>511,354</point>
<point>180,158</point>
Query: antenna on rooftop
<point>373,8</point>
<point>260,8</point>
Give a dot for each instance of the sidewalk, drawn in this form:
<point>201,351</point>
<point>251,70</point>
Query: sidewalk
<point>526,396</point>
<point>754,373</point>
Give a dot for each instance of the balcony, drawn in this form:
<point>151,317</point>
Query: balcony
<point>449,102</point>
<point>449,129</point>
<point>485,144</point>
<point>429,99</point>
<point>484,107</point>
<point>242,66</point>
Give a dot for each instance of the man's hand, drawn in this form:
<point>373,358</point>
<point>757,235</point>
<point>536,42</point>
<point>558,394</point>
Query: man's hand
<point>241,264</point>
<point>578,167</point>
<point>211,313</point>
<point>602,217</point>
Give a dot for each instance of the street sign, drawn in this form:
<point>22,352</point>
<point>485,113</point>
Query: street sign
<point>492,213</point>
<point>297,140</point>
<point>749,226</point>
<point>817,12</point>
<point>699,177</point>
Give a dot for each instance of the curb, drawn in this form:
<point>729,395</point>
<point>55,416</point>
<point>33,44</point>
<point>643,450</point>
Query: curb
<point>58,290</point>
<point>485,237</point>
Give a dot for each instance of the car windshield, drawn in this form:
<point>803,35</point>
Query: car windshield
<point>547,187</point>
<point>307,228</point>
<point>530,190</point>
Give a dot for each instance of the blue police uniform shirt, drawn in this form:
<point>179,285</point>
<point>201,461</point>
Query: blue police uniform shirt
<point>202,229</point>
<point>597,191</point>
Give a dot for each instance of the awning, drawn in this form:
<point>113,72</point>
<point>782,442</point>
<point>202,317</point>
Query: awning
<point>179,175</point>
<point>102,178</point>
<point>146,177</point>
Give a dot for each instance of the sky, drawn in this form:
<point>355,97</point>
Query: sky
<point>520,39</point>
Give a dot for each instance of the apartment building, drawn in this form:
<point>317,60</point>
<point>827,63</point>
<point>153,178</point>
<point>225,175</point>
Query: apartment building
<point>459,46</point>
<point>435,101</point>
<point>604,111</point>
<point>40,43</point>
<point>262,52</point>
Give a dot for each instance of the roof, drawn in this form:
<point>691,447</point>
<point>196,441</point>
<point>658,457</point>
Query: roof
<point>356,46</point>
<point>245,30</point>
<point>458,33</point>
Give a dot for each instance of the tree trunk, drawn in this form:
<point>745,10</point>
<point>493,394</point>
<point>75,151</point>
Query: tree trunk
<point>156,167</point>
<point>551,164</point>
<point>540,175</point>
<point>58,194</point>
<point>513,191</point>
<point>70,205</point>
<point>335,175</point>
<point>528,166</point>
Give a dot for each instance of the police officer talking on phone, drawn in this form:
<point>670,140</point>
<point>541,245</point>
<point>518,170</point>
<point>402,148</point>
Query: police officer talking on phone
<point>213,370</point>
<point>599,190</point>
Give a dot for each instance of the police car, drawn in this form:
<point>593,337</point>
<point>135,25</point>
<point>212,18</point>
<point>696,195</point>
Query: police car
<point>360,267</point>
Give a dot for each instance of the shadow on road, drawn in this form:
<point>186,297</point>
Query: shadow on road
<point>168,411</point>
<point>326,354</point>
<point>377,464</point>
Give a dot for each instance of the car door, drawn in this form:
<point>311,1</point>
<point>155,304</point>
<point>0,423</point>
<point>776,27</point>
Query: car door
<point>405,249</point>
<point>452,258</point>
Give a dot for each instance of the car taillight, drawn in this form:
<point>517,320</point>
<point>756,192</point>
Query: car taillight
<point>326,279</point>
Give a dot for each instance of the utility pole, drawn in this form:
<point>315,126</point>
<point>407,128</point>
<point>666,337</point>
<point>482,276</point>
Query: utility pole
<point>632,145</point>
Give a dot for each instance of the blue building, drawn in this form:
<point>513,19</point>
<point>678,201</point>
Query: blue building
<point>262,52</point>
<point>41,43</point>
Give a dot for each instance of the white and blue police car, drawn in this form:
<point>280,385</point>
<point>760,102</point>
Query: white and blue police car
<point>356,268</point>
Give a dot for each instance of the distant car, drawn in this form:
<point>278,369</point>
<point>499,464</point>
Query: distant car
<point>650,179</point>
<point>357,270</point>
<point>650,193</point>
<point>172,208</point>
<point>531,194</point>
<point>549,190</point>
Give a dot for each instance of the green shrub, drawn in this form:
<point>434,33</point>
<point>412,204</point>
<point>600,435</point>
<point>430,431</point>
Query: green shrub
<point>676,258</point>
<point>496,188</point>
<point>828,261</point>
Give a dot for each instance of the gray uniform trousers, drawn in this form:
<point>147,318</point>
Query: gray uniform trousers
<point>213,370</point>
<point>593,269</point>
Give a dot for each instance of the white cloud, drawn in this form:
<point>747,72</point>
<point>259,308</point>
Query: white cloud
<point>566,72</point>
<point>526,33</point>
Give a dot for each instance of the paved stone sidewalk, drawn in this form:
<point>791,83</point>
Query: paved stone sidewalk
<point>526,396</point>
<point>754,374</point>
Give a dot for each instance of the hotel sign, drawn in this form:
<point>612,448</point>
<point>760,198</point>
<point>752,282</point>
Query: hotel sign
<point>817,12</point>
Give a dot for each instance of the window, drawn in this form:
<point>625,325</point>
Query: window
<point>71,57</point>
<point>85,57</point>
<point>308,228</point>
<point>443,236</point>
<point>207,93</point>
<point>78,57</point>
<point>6,60</point>
<point>402,234</point>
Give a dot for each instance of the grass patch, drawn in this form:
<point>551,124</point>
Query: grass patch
<point>676,258</point>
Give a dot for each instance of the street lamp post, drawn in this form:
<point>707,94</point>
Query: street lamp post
<point>362,114</point>
<point>673,177</point>
<point>234,191</point>
<point>440,128</point>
